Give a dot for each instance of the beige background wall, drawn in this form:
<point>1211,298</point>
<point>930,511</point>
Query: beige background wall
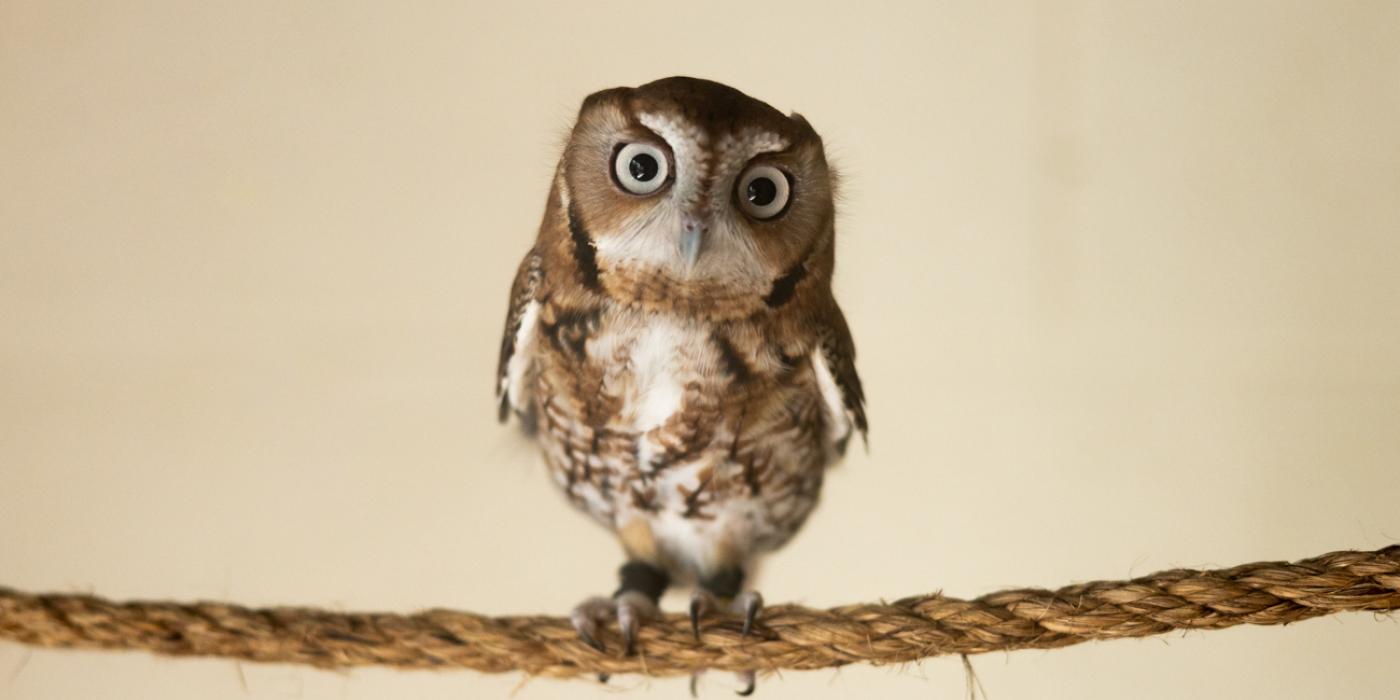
<point>1124,279</point>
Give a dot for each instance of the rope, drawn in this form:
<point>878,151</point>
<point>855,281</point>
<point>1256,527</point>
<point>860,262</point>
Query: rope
<point>787,637</point>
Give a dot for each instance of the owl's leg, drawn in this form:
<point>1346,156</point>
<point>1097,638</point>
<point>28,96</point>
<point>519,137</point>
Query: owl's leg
<point>634,602</point>
<point>724,591</point>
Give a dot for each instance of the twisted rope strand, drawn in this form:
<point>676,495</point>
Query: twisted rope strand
<point>788,636</point>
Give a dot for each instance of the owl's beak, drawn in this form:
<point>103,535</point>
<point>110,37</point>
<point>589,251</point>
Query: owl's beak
<point>693,230</point>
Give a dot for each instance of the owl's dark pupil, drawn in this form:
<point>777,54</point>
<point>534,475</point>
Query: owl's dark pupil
<point>762,191</point>
<point>643,167</point>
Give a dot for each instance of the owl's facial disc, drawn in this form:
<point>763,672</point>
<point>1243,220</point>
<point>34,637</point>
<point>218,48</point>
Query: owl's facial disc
<point>688,193</point>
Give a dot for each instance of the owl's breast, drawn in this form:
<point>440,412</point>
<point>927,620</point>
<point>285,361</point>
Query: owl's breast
<point>648,362</point>
<point>640,389</point>
<point>685,423</point>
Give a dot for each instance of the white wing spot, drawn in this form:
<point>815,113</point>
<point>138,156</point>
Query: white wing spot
<point>520,360</point>
<point>837,417</point>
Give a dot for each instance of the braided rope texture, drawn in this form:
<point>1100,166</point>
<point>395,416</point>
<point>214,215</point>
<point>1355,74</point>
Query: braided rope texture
<point>787,636</point>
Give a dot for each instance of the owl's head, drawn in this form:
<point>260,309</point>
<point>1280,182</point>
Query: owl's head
<point>691,191</point>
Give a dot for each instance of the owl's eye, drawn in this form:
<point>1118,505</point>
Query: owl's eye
<point>640,168</point>
<point>763,192</point>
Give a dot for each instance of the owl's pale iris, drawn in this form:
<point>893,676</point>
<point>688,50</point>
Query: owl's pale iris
<point>763,192</point>
<point>640,168</point>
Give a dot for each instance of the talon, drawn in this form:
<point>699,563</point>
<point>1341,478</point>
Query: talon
<point>632,608</point>
<point>750,683</point>
<point>694,683</point>
<point>585,619</point>
<point>694,629</point>
<point>591,641</point>
<point>628,623</point>
<point>603,678</point>
<point>751,603</point>
<point>700,604</point>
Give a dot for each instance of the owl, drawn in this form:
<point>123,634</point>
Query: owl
<point>673,345</point>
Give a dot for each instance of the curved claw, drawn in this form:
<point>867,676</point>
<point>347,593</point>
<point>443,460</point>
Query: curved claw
<point>590,640</point>
<point>694,684</point>
<point>700,604</point>
<point>750,683</point>
<point>694,629</point>
<point>585,619</point>
<point>749,603</point>
<point>632,608</point>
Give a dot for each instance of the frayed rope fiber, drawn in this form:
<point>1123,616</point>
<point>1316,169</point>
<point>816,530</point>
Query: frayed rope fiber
<point>787,636</point>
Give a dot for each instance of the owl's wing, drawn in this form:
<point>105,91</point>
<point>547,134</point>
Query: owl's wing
<point>519,333</point>
<point>834,360</point>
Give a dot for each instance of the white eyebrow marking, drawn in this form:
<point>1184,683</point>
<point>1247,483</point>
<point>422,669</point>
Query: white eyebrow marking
<point>737,150</point>
<point>689,146</point>
<point>749,143</point>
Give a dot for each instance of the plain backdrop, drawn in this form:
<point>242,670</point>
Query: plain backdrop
<point>1124,279</point>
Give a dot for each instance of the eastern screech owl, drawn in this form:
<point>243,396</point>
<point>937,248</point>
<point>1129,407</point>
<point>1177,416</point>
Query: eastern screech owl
<point>672,341</point>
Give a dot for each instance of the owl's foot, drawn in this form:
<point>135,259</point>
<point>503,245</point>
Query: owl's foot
<point>722,593</point>
<point>632,604</point>
<point>746,605</point>
<point>630,609</point>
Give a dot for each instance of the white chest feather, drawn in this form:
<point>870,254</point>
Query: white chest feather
<point>656,357</point>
